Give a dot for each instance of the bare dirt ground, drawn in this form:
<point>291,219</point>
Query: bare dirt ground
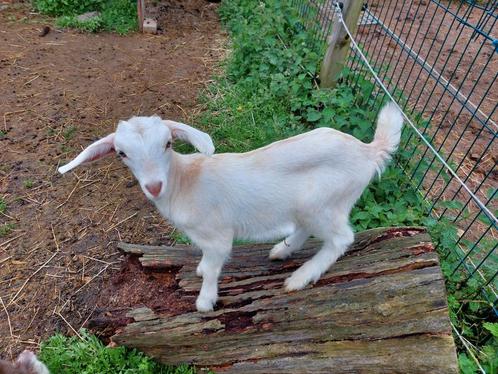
<point>58,258</point>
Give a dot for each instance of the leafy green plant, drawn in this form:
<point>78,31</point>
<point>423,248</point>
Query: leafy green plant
<point>115,15</point>
<point>90,25</point>
<point>67,7</point>
<point>487,355</point>
<point>68,355</point>
<point>120,16</point>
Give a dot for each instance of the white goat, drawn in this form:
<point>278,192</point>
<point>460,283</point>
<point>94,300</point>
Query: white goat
<point>26,363</point>
<point>302,186</point>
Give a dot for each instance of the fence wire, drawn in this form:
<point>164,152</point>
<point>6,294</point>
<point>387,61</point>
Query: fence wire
<point>440,63</point>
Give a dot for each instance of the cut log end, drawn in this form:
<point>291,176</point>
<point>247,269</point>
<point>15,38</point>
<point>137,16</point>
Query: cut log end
<point>381,308</point>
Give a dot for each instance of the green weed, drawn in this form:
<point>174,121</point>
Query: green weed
<point>120,16</point>
<point>179,237</point>
<point>68,355</point>
<point>67,7</point>
<point>115,15</point>
<point>3,205</point>
<point>6,229</point>
<point>28,183</point>
<point>69,132</point>
<point>90,25</point>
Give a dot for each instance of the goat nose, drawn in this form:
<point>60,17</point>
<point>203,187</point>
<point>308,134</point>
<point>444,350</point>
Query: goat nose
<point>154,188</point>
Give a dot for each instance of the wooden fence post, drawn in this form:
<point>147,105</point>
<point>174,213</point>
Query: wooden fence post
<point>140,14</point>
<point>338,47</point>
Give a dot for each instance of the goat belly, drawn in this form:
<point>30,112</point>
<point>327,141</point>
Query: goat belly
<point>264,231</point>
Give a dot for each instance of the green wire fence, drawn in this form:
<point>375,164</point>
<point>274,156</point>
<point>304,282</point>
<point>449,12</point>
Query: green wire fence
<point>440,63</point>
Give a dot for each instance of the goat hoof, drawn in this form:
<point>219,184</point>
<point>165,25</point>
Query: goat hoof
<point>279,252</point>
<point>298,280</point>
<point>204,304</point>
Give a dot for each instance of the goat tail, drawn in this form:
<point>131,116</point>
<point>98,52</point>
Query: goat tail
<point>387,135</point>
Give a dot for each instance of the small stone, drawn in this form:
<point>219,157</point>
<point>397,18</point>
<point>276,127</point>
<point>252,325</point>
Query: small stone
<point>44,31</point>
<point>87,16</point>
<point>141,314</point>
<point>150,26</point>
<point>475,156</point>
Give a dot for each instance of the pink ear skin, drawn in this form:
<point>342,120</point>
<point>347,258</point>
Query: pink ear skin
<point>94,151</point>
<point>198,139</point>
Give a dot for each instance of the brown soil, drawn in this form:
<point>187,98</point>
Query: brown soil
<point>59,264</point>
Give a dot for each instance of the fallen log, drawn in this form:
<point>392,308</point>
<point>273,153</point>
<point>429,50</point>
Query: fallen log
<point>380,309</point>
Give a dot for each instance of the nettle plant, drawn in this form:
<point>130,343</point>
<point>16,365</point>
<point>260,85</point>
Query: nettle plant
<point>67,7</point>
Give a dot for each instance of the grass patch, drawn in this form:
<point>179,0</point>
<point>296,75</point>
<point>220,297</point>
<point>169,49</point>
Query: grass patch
<point>71,355</point>
<point>28,183</point>
<point>115,15</point>
<point>69,133</point>
<point>6,229</point>
<point>179,237</point>
<point>3,205</point>
<point>71,22</point>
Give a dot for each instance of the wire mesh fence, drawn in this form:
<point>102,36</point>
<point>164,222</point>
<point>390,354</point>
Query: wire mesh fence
<point>440,63</point>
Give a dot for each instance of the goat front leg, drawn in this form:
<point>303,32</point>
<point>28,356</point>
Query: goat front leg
<point>214,255</point>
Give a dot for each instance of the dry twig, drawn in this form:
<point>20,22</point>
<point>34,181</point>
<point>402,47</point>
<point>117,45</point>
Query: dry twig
<point>8,317</point>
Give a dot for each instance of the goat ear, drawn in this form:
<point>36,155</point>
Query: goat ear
<point>94,151</point>
<point>200,140</point>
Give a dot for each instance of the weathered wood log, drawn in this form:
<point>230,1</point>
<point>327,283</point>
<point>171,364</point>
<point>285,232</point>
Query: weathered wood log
<point>380,309</point>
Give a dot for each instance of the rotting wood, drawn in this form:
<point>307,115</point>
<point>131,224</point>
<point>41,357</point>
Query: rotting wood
<point>381,308</point>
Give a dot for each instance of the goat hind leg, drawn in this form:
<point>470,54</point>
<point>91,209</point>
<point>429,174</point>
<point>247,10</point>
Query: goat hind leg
<point>333,248</point>
<point>289,245</point>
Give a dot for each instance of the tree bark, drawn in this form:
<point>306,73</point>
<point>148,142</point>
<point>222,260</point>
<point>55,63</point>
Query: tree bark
<point>380,309</point>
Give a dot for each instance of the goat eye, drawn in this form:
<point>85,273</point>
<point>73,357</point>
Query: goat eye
<point>122,154</point>
<point>168,144</point>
